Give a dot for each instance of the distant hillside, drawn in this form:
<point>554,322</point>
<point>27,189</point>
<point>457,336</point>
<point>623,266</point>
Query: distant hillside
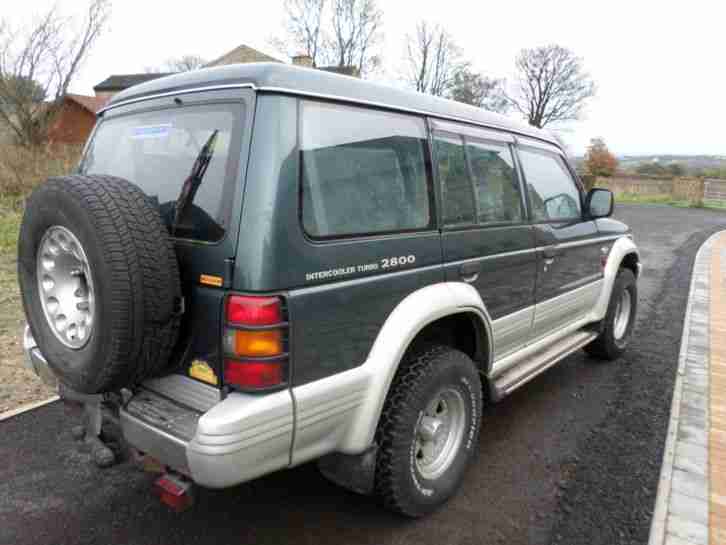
<point>689,162</point>
<point>669,165</point>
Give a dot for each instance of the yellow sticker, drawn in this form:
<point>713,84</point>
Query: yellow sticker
<point>200,370</point>
<point>211,280</point>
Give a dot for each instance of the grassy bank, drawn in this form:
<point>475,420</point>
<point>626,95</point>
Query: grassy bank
<point>10,214</point>
<point>21,170</point>
<point>18,386</point>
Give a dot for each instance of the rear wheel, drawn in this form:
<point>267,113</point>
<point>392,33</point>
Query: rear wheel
<point>428,431</point>
<point>619,320</point>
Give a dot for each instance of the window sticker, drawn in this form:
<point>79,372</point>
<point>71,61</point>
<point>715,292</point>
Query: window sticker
<point>151,131</point>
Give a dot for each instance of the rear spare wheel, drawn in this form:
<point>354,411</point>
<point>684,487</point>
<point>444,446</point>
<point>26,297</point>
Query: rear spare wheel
<point>99,281</point>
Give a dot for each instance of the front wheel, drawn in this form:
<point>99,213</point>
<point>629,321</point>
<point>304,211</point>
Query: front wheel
<point>619,319</point>
<point>428,431</point>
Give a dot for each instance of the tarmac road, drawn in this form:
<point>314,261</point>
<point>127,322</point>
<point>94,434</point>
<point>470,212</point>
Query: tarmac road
<point>573,457</point>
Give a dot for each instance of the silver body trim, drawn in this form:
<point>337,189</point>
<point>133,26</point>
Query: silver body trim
<point>163,446</point>
<point>34,360</point>
<point>186,391</point>
<point>557,312</point>
<point>511,332</point>
<point>550,353</point>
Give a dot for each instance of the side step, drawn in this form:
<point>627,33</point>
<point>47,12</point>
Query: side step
<point>541,361</point>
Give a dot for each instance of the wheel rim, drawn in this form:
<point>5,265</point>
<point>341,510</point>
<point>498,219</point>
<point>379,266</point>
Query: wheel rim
<point>439,433</point>
<point>622,315</point>
<point>65,287</point>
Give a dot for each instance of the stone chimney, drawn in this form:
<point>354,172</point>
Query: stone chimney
<point>303,60</point>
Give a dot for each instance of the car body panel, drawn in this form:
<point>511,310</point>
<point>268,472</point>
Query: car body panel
<point>351,323</point>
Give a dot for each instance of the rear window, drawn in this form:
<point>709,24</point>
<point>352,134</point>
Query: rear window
<point>363,171</point>
<point>157,151</point>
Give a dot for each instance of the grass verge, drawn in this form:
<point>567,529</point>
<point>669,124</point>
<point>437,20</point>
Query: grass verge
<point>18,386</point>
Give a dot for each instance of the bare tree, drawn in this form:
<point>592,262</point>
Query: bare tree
<point>356,29</point>
<point>185,63</point>
<point>303,28</point>
<point>338,33</point>
<point>477,90</point>
<point>49,55</point>
<point>433,58</point>
<point>553,85</point>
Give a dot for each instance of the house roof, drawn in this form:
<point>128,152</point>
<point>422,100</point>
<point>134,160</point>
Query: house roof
<point>119,82</point>
<point>92,104</point>
<point>242,54</point>
<point>294,80</point>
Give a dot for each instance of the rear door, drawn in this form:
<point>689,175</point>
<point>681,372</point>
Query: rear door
<point>486,238</point>
<point>154,143</point>
<point>568,272</point>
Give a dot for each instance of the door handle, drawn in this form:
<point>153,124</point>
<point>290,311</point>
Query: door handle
<point>469,272</point>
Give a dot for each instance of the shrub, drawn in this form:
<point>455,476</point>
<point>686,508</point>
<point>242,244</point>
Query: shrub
<point>21,168</point>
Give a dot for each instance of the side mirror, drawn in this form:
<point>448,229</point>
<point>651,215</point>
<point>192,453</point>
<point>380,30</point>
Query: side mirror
<point>599,203</point>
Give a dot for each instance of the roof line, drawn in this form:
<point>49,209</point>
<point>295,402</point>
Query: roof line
<point>297,92</point>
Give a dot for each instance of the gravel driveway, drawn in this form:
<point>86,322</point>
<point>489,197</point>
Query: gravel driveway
<point>573,457</point>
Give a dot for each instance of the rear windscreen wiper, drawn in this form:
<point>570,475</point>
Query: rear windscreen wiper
<point>194,180</point>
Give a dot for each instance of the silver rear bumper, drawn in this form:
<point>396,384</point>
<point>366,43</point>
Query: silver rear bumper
<point>35,361</point>
<point>236,440</point>
<point>160,428</point>
<point>185,425</point>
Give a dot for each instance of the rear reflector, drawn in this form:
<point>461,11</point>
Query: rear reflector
<point>174,492</point>
<point>255,343</point>
<point>253,311</point>
<point>251,375</point>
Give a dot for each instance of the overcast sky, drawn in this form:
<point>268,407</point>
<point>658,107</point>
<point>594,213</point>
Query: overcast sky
<point>660,66</point>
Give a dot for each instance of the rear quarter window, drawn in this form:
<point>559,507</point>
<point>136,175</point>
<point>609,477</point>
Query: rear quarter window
<point>363,171</point>
<point>156,150</point>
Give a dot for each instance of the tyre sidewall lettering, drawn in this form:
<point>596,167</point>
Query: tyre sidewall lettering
<point>430,490</point>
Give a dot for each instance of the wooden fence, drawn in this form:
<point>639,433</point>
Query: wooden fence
<point>693,190</point>
<point>714,190</point>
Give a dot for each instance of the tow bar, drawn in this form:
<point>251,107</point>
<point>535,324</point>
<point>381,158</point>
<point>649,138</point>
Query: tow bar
<point>90,430</point>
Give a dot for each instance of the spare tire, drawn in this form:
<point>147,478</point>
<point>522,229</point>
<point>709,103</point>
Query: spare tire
<point>99,280</point>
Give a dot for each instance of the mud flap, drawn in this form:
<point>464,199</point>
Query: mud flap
<point>353,472</point>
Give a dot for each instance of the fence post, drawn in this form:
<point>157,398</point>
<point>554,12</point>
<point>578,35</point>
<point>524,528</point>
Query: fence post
<point>700,191</point>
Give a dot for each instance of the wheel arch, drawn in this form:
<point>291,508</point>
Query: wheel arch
<point>418,315</point>
<point>624,253</point>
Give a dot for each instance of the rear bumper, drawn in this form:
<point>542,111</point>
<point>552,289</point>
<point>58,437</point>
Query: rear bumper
<point>35,361</point>
<point>216,443</point>
<point>239,439</point>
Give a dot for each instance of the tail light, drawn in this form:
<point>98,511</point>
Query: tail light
<point>255,343</point>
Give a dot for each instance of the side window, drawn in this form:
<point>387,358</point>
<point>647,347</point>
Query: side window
<point>495,182</point>
<point>456,188</point>
<point>552,191</point>
<point>363,171</point>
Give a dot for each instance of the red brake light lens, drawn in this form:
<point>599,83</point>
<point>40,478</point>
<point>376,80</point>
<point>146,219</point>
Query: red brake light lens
<point>254,375</point>
<point>254,311</point>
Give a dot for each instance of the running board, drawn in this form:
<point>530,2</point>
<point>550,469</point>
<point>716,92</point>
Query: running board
<point>539,362</point>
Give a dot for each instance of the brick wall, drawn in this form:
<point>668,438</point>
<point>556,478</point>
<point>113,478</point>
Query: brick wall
<point>72,125</point>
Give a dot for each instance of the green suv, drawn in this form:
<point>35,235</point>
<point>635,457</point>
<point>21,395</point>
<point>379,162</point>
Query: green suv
<point>256,266</point>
